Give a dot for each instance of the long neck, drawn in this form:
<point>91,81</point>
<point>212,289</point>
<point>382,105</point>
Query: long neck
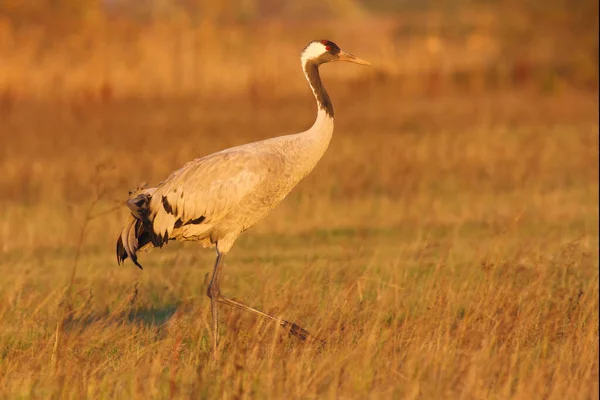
<point>315,140</point>
<point>304,154</point>
<point>311,71</point>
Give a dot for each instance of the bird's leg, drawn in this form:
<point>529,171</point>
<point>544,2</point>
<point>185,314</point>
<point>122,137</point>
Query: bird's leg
<point>213,293</point>
<point>292,327</point>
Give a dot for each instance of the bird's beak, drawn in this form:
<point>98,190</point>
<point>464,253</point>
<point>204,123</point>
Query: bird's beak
<point>343,56</point>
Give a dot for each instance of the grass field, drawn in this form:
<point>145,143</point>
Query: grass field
<point>443,248</point>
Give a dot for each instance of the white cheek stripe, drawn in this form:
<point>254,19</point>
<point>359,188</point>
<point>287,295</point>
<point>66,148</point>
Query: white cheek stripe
<point>314,50</point>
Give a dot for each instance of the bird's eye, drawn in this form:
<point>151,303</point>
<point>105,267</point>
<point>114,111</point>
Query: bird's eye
<point>328,48</point>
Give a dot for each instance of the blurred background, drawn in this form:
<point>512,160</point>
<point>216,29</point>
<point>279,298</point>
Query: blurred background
<point>100,50</point>
<point>102,95</point>
<point>112,74</point>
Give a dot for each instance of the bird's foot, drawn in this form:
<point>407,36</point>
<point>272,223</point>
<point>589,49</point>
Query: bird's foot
<point>299,332</point>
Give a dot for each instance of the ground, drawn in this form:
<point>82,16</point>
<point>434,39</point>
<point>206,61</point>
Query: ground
<point>443,248</point>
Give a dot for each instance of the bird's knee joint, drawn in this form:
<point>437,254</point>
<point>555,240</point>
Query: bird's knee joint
<point>213,291</point>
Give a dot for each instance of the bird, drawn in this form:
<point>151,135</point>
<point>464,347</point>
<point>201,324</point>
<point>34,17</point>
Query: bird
<point>213,199</point>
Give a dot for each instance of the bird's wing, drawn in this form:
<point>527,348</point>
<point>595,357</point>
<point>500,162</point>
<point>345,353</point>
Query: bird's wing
<point>208,188</point>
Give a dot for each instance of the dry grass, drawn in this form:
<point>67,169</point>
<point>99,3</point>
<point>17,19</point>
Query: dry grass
<point>443,249</point>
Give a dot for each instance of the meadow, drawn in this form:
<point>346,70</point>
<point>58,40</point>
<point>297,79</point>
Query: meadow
<point>436,259</point>
<point>446,246</point>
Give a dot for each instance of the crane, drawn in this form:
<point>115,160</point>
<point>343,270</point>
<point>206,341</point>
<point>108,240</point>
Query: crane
<point>213,199</point>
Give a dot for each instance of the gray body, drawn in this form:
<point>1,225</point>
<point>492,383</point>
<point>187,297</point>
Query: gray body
<point>213,199</point>
<point>235,188</point>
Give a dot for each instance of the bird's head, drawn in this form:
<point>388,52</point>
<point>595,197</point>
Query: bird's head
<point>324,51</point>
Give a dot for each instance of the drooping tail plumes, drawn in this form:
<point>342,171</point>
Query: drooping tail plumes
<point>137,232</point>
